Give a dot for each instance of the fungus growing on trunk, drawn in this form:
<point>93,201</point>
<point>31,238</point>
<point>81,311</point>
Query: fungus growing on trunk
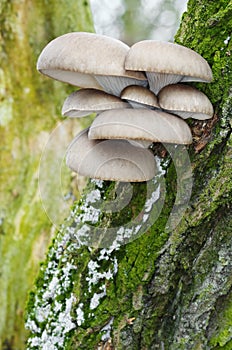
<point>185,101</point>
<point>114,160</point>
<point>140,124</point>
<point>86,101</point>
<point>140,97</point>
<point>89,60</point>
<point>167,63</point>
<point>114,147</point>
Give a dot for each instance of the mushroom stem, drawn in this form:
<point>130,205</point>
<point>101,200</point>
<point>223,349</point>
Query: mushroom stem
<point>114,85</point>
<point>158,80</point>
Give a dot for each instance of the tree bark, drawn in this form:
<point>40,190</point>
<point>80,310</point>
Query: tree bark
<point>147,266</point>
<point>29,111</point>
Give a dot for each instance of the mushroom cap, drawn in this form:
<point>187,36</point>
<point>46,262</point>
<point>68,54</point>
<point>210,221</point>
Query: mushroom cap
<point>141,95</point>
<point>86,101</point>
<point>114,160</point>
<point>185,101</point>
<point>84,54</point>
<point>140,124</point>
<point>168,58</point>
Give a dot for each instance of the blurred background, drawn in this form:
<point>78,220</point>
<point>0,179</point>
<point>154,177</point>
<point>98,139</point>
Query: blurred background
<point>135,20</point>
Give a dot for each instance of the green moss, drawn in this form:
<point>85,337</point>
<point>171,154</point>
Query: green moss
<point>117,299</point>
<point>208,30</point>
<point>222,324</point>
<point>224,347</point>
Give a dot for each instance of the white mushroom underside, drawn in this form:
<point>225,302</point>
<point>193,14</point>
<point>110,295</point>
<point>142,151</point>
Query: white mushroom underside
<point>73,113</point>
<point>73,78</point>
<point>114,84</point>
<point>187,78</point>
<point>137,105</point>
<point>186,115</point>
<point>158,80</point>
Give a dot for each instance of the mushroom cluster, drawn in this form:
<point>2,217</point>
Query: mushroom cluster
<point>138,95</point>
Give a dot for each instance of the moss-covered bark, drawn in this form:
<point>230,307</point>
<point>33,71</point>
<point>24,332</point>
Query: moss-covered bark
<point>124,279</point>
<point>29,111</point>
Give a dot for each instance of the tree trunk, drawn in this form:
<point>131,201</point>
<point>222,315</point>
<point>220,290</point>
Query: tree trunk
<point>148,266</point>
<point>27,117</point>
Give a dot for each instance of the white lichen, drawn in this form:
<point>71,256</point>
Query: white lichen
<point>31,324</point>
<point>59,272</point>
<point>106,330</point>
<point>95,300</point>
<point>161,167</point>
<point>115,265</point>
<point>97,182</point>
<point>94,275</point>
<point>103,254</point>
<point>56,315</point>
<point>51,289</point>
<point>226,41</point>
<point>90,214</point>
<point>80,314</point>
<point>145,217</point>
<point>151,201</point>
<point>42,312</point>
<point>93,196</point>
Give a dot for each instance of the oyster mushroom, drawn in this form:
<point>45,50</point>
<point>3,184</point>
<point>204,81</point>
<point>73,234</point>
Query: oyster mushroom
<point>185,101</point>
<point>86,101</point>
<point>140,97</point>
<point>89,60</point>
<point>114,160</point>
<point>167,63</point>
<point>140,124</point>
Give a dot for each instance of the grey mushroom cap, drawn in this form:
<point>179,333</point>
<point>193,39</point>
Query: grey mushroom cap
<point>140,97</point>
<point>80,58</point>
<point>86,101</point>
<point>185,101</point>
<point>140,124</point>
<point>114,160</point>
<point>167,63</point>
